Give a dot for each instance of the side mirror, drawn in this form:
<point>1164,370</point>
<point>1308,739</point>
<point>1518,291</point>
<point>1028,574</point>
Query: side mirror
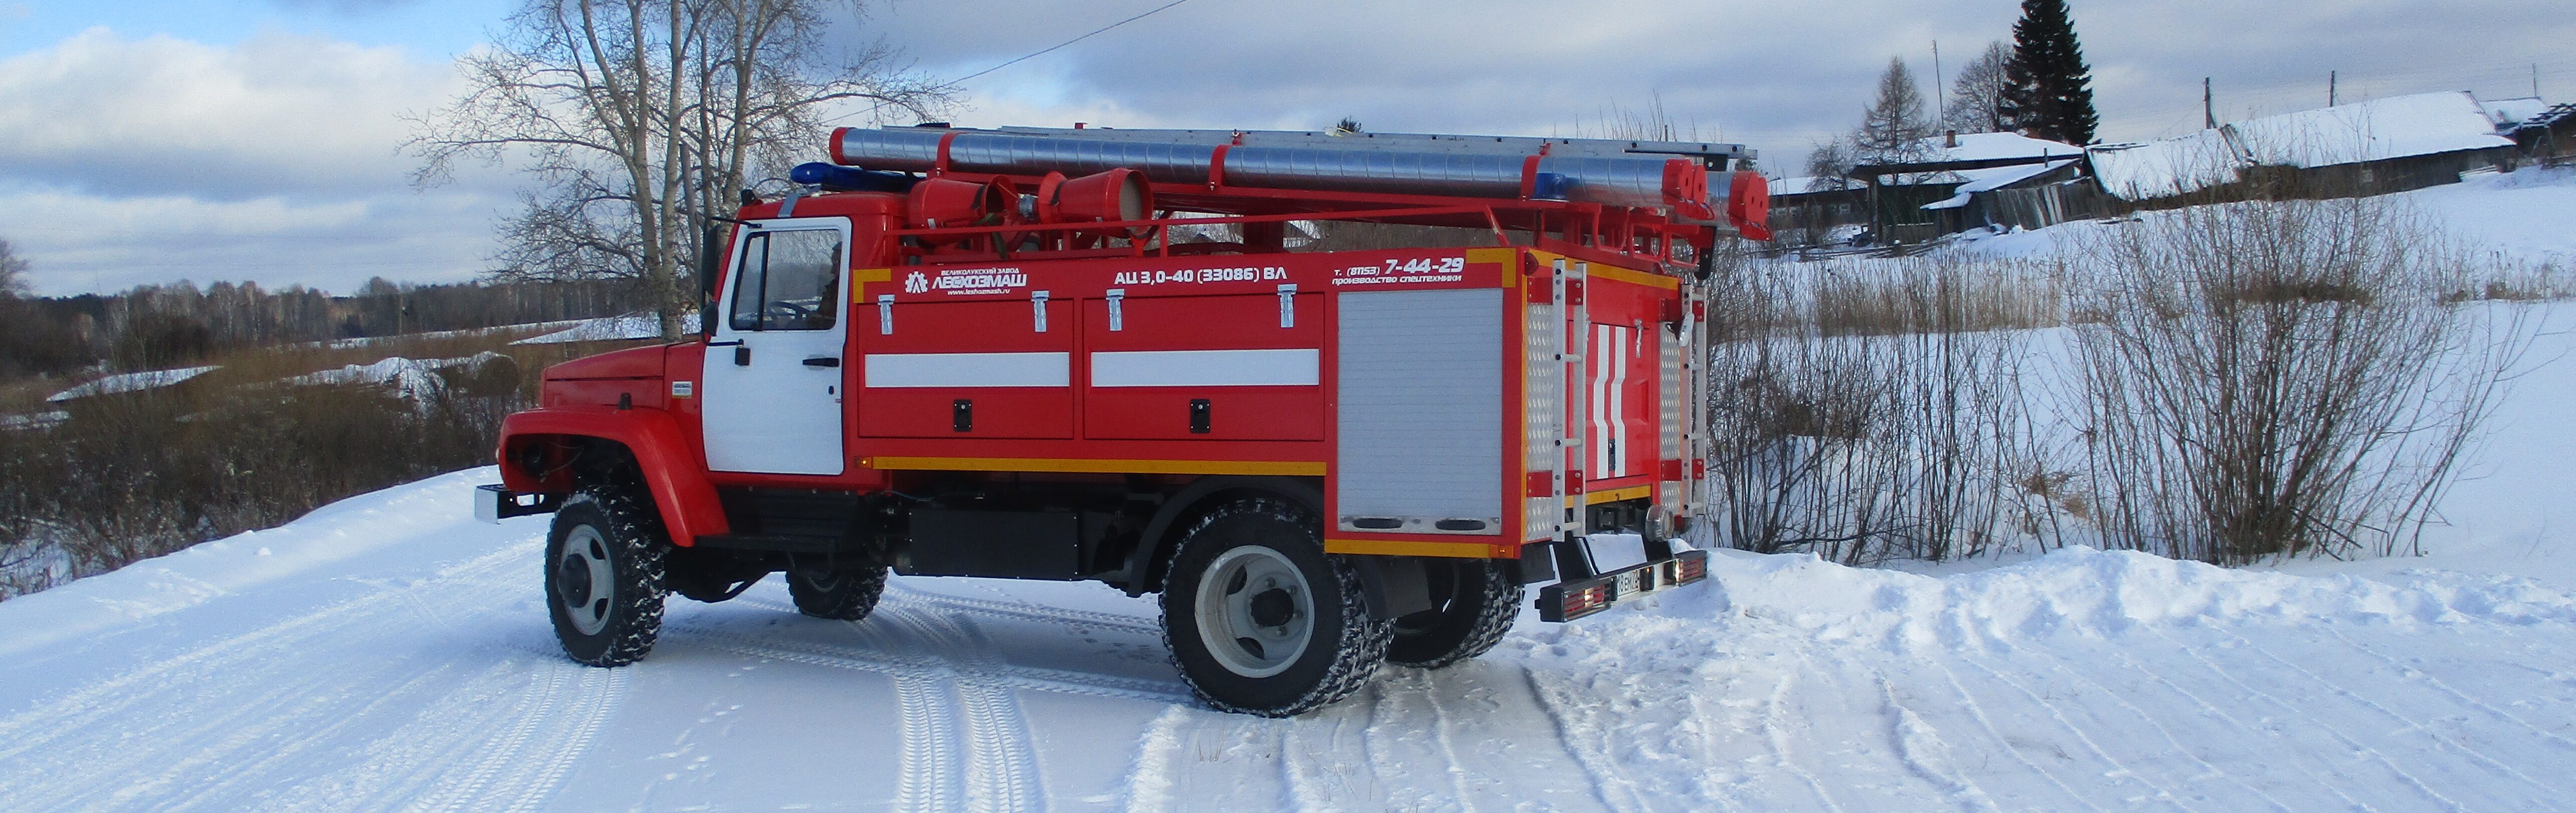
<point>711,258</point>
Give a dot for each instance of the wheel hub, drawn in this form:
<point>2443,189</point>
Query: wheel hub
<point>1255,612</point>
<point>584,579</point>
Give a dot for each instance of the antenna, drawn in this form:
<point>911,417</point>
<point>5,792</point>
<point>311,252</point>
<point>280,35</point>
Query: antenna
<point>2330,88</point>
<point>2208,112</point>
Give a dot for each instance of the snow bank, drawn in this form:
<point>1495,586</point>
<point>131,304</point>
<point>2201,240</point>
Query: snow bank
<point>132,382</point>
<point>613,328</point>
<point>410,379</point>
<point>2089,592</point>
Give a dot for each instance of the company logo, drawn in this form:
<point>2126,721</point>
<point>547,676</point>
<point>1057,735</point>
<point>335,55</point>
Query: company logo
<point>916,283</point>
<point>973,281</point>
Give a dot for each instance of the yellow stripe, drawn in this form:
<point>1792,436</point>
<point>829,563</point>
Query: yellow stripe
<point>1294,468</point>
<point>1635,277</point>
<point>872,275</point>
<point>1490,255</point>
<point>1614,495</point>
<point>1392,547</point>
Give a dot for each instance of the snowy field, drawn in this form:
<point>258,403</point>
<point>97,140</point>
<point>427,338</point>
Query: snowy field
<point>389,653</point>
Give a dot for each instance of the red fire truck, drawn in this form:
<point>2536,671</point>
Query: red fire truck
<point>1098,354</point>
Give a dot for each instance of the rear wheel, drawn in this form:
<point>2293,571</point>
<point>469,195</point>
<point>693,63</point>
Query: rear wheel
<point>1260,620</point>
<point>604,559</point>
<point>1475,602</point>
<point>847,595</point>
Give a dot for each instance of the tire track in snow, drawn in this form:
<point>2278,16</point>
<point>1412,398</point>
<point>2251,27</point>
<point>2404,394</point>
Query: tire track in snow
<point>2403,720</point>
<point>2445,688</point>
<point>1014,608</point>
<point>1921,748</point>
<point>290,705</point>
<point>1776,737</point>
<point>2119,769</point>
<point>1002,767</point>
<point>1583,743</point>
<point>1149,783</point>
<point>1977,711</point>
<point>2058,663</point>
<point>2348,741</point>
<point>71,712</point>
<point>886,658</point>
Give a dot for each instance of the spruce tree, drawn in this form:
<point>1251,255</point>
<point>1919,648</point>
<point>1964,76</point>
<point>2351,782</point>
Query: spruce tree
<point>2048,89</point>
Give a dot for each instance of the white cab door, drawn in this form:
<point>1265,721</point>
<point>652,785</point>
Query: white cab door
<point>771,389</point>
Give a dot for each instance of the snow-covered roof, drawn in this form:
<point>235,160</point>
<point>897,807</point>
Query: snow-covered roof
<point>613,328</point>
<point>1986,147</point>
<point>2161,169</point>
<point>2376,130</point>
<point>132,382</point>
<point>1811,183</point>
<point>2508,113</point>
<point>1981,146</point>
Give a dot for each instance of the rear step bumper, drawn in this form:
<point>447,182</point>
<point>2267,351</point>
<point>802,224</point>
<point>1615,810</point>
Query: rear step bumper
<point>495,502</point>
<point>1566,601</point>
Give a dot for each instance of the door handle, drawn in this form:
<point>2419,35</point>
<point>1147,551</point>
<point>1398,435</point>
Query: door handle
<point>823,361</point>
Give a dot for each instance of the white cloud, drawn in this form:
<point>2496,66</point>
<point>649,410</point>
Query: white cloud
<point>275,114</point>
<point>1774,75</point>
<point>127,161</point>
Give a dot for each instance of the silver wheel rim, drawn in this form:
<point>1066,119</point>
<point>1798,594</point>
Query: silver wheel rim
<point>1241,590</point>
<point>584,580</point>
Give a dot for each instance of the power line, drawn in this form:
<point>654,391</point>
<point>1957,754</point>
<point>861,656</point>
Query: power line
<point>1034,54</point>
<point>1157,10</point>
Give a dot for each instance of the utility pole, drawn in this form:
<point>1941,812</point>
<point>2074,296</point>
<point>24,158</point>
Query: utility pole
<point>2208,111</point>
<point>1941,108</point>
<point>2330,88</point>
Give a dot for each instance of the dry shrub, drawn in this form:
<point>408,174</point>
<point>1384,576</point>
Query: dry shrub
<point>2281,377</point>
<point>1874,415</point>
<point>136,475</point>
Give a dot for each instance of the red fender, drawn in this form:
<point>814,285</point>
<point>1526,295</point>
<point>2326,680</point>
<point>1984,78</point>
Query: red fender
<point>670,466</point>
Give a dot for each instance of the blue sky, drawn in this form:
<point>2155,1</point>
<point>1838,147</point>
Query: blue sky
<point>426,27</point>
<point>151,141</point>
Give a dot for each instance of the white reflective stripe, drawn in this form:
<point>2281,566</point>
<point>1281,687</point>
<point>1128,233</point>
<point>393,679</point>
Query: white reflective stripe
<point>887,370</point>
<point>1621,338</point>
<point>1299,367</point>
<point>1597,401</point>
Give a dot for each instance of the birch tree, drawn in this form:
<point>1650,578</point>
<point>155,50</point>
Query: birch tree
<point>637,120</point>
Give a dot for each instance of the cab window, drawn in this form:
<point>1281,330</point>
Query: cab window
<point>788,280</point>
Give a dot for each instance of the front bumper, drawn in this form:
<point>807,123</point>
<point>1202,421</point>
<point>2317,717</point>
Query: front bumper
<point>496,502</point>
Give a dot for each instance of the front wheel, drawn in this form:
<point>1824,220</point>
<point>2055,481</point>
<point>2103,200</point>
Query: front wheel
<point>1260,620</point>
<point>604,560</point>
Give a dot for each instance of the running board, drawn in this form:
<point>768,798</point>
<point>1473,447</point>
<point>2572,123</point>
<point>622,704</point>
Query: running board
<point>1566,601</point>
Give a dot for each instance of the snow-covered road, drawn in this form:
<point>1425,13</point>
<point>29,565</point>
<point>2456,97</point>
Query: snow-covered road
<point>388,653</point>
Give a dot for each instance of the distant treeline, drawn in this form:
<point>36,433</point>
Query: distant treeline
<point>156,326</point>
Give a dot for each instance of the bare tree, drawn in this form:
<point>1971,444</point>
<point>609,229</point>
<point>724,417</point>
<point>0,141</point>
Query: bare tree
<point>641,118</point>
<point>13,270</point>
<point>1828,167</point>
<point>1893,129</point>
<point>1976,97</point>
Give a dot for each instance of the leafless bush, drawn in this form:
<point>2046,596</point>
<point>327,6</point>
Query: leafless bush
<point>1870,416</point>
<point>2281,377</point>
<point>135,475</point>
